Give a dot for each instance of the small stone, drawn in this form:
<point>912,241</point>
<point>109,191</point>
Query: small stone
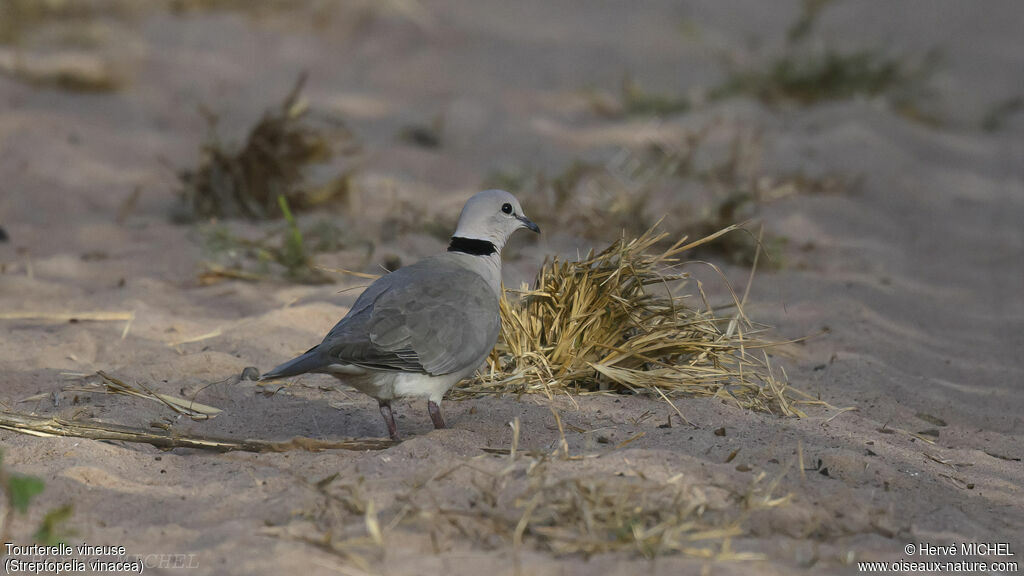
<point>251,373</point>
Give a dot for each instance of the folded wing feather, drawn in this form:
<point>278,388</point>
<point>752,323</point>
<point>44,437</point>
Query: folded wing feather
<point>433,317</point>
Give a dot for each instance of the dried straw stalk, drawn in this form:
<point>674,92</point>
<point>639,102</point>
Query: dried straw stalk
<point>52,426</point>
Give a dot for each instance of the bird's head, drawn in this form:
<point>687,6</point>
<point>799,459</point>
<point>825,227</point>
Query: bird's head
<point>492,216</point>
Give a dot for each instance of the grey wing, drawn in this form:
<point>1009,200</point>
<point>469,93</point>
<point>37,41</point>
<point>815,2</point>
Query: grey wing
<point>431,319</point>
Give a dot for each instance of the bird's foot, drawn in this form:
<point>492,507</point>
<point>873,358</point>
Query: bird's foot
<point>389,419</point>
<point>435,414</point>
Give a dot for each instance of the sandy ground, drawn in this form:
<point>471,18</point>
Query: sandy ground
<point>918,275</point>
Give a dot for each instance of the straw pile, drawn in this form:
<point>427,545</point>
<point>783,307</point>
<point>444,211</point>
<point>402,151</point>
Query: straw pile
<point>274,161</point>
<point>594,516</point>
<point>616,322</point>
<point>542,501</point>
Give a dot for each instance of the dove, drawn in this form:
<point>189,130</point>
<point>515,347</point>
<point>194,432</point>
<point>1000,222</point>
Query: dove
<point>419,330</point>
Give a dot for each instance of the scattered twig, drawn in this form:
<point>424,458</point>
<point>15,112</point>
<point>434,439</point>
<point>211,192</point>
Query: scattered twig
<point>53,427</point>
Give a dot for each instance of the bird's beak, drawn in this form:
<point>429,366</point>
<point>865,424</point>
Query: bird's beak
<point>527,223</point>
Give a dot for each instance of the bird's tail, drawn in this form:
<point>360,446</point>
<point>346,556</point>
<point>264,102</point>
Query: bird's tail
<point>308,362</point>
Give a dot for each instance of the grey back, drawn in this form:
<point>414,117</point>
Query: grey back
<point>433,317</point>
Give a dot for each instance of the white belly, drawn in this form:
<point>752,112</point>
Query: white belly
<point>423,385</point>
<point>390,385</point>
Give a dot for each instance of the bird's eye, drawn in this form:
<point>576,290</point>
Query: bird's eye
<point>506,208</point>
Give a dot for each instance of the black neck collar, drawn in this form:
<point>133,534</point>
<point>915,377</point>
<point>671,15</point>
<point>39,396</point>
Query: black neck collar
<point>472,246</point>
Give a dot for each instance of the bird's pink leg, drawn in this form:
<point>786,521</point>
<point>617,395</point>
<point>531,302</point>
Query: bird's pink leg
<point>389,419</point>
<point>435,414</point>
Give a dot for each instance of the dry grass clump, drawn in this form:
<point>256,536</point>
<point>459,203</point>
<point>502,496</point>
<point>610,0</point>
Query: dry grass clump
<point>286,251</point>
<point>811,77</point>
<point>246,6</point>
<point>539,501</point>
<point>273,162</point>
<point>67,44</point>
<point>615,322</point>
<point>592,516</point>
<point>809,71</point>
<point>293,15</point>
<point>20,19</point>
<point>706,178</point>
<point>589,516</point>
<point>73,72</point>
<point>634,100</point>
